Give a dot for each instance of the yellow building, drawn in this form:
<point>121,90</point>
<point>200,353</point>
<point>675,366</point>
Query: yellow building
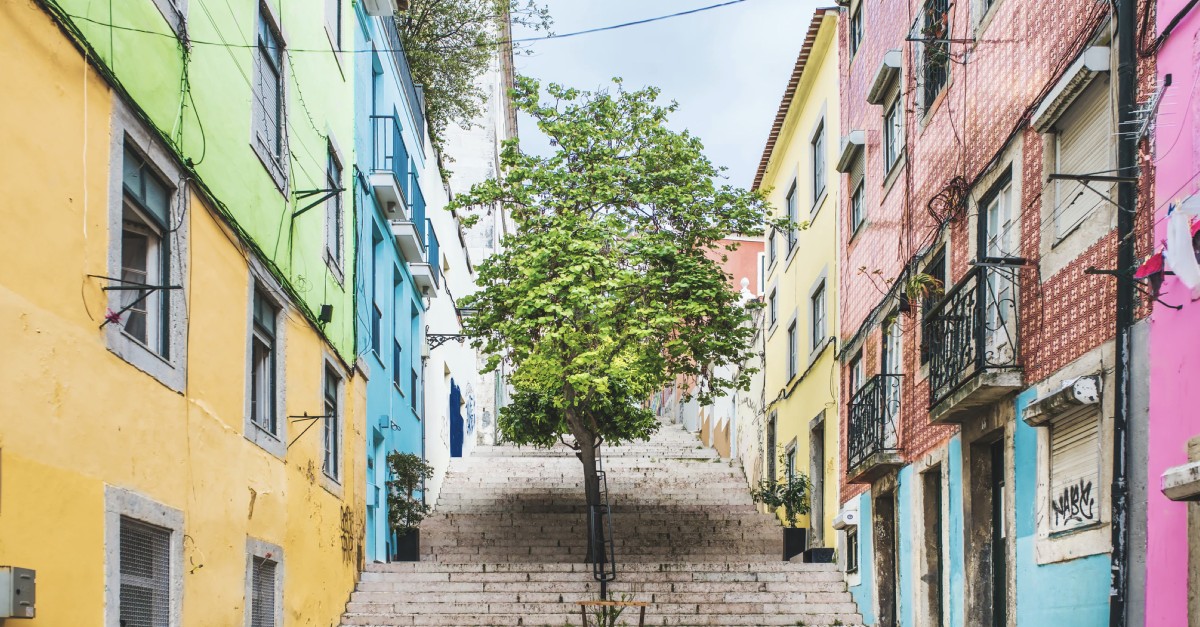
<point>131,479</point>
<point>801,290</point>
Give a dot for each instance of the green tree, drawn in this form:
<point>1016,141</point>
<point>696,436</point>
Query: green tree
<point>449,44</point>
<point>611,286</point>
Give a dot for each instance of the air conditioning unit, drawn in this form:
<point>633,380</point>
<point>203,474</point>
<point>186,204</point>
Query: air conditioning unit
<point>846,518</point>
<point>384,7</point>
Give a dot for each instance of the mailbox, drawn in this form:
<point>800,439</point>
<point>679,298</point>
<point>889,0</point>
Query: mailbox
<point>17,586</point>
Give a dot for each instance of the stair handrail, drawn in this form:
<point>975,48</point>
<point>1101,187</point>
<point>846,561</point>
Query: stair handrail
<point>600,533</point>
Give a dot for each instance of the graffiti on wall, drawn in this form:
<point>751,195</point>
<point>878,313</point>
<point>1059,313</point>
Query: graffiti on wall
<point>1074,505</point>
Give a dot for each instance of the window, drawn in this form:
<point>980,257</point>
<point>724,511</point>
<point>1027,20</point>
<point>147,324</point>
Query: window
<point>145,255</point>
<point>893,360</point>
<point>773,307</point>
<point>856,372</point>
<point>935,57</point>
<point>857,192</point>
<point>331,441</point>
<point>790,201</point>
<point>936,269</point>
<point>376,329</point>
<point>772,435</point>
<point>852,549</point>
<point>893,133</point>
<point>996,242</point>
<point>1082,145</point>
<point>145,575</point>
<point>818,163</point>
<point>334,229</point>
<point>791,461</point>
<point>771,252</point>
<point>397,356</point>
<point>1075,470</point>
<point>818,315</point>
<point>793,351</point>
<point>269,110</point>
<point>263,387</point>
<point>333,22</point>
<point>262,587</point>
<point>413,399</point>
<point>856,28</point>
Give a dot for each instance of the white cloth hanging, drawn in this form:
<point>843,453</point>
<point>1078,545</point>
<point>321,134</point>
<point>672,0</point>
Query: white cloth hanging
<point>1180,255</point>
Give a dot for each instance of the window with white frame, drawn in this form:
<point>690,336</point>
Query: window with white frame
<point>852,549</point>
<point>1082,145</point>
<point>263,366</point>
<point>145,574</point>
<point>893,129</point>
<point>856,28</point>
<point>331,444</point>
<point>856,372</point>
<point>793,350</point>
<point>818,163</point>
<point>790,457</point>
<point>1075,470</point>
<point>792,214</point>
<point>145,255</point>
<point>817,331</point>
<point>858,209</point>
<point>773,307</point>
<point>771,252</point>
<point>334,210</point>
<point>270,111</point>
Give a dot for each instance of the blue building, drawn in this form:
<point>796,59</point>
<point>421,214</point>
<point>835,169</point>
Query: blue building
<point>395,278</point>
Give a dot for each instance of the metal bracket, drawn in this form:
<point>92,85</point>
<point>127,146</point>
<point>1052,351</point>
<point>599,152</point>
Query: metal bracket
<point>325,194</point>
<point>313,420</point>
<point>437,339</point>
<point>1137,285</point>
<point>129,286</point>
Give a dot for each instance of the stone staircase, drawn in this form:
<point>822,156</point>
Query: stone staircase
<point>507,542</point>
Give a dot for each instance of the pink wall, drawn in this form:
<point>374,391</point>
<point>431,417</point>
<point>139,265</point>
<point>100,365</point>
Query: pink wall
<point>741,263</point>
<point>1174,335</point>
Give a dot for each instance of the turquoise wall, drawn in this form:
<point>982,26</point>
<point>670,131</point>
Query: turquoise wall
<point>1066,594</point>
<point>199,99</point>
<point>954,547</point>
<point>864,593</point>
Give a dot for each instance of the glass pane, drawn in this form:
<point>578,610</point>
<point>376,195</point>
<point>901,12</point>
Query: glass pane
<point>135,250</point>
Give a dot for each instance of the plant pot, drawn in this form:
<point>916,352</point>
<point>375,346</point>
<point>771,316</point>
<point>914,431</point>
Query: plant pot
<point>818,555</point>
<point>407,547</point>
<point>795,540</point>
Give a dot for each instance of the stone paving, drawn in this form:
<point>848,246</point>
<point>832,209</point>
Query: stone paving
<point>507,542</point>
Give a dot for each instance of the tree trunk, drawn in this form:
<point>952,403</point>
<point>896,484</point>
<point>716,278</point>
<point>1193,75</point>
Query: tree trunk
<point>586,440</point>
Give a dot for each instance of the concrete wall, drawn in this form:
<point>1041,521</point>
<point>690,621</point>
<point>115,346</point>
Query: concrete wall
<point>1174,335</point>
<point>83,433</point>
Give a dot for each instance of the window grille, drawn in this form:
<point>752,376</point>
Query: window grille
<point>332,419</point>
<point>262,585</point>
<point>262,364</point>
<point>145,596</point>
<point>935,34</point>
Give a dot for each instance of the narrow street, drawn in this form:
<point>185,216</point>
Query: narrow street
<point>507,545</point>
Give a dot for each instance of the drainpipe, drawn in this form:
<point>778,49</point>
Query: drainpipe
<point>1126,203</point>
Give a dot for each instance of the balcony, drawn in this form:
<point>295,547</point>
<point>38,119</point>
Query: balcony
<point>872,446</point>
<point>412,93</point>
<point>409,229</point>
<point>972,339</point>
<point>389,175</point>
<point>427,274</point>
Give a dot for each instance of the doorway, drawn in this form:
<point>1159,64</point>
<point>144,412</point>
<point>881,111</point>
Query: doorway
<point>884,523</point>
<point>816,473</point>
<point>933,578</point>
<point>457,424</point>
<point>988,566</point>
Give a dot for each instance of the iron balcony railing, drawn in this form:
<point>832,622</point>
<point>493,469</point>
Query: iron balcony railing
<point>389,154</point>
<point>874,414</point>
<point>434,255</point>
<point>416,203</point>
<point>416,101</point>
<point>974,328</point>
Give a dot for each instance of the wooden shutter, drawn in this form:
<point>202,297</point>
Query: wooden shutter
<point>1075,469</point>
<point>1084,146</point>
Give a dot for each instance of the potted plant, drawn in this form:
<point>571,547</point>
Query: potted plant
<point>791,494</point>
<point>406,503</point>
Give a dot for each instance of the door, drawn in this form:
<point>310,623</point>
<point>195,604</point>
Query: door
<point>892,365</point>
<point>457,424</point>
<point>1000,295</point>
<point>999,538</point>
<point>376,497</point>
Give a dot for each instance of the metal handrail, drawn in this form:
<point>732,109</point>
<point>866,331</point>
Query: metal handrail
<point>433,253</point>
<point>601,547</point>
<point>416,102</point>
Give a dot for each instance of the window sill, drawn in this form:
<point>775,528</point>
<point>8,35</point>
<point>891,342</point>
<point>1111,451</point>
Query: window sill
<point>332,486</point>
<point>265,440</point>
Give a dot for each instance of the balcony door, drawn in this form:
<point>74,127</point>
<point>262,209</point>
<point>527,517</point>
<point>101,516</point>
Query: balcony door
<point>893,364</point>
<point>998,237</point>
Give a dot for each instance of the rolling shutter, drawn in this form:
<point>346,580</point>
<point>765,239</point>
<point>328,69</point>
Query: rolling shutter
<point>1084,146</point>
<point>1075,469</point>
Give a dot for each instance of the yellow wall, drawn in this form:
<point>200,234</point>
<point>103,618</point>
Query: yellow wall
<point>814,388</point>
<point>74,417</point>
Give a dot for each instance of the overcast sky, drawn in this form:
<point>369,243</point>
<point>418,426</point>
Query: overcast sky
<point>726,67</point>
